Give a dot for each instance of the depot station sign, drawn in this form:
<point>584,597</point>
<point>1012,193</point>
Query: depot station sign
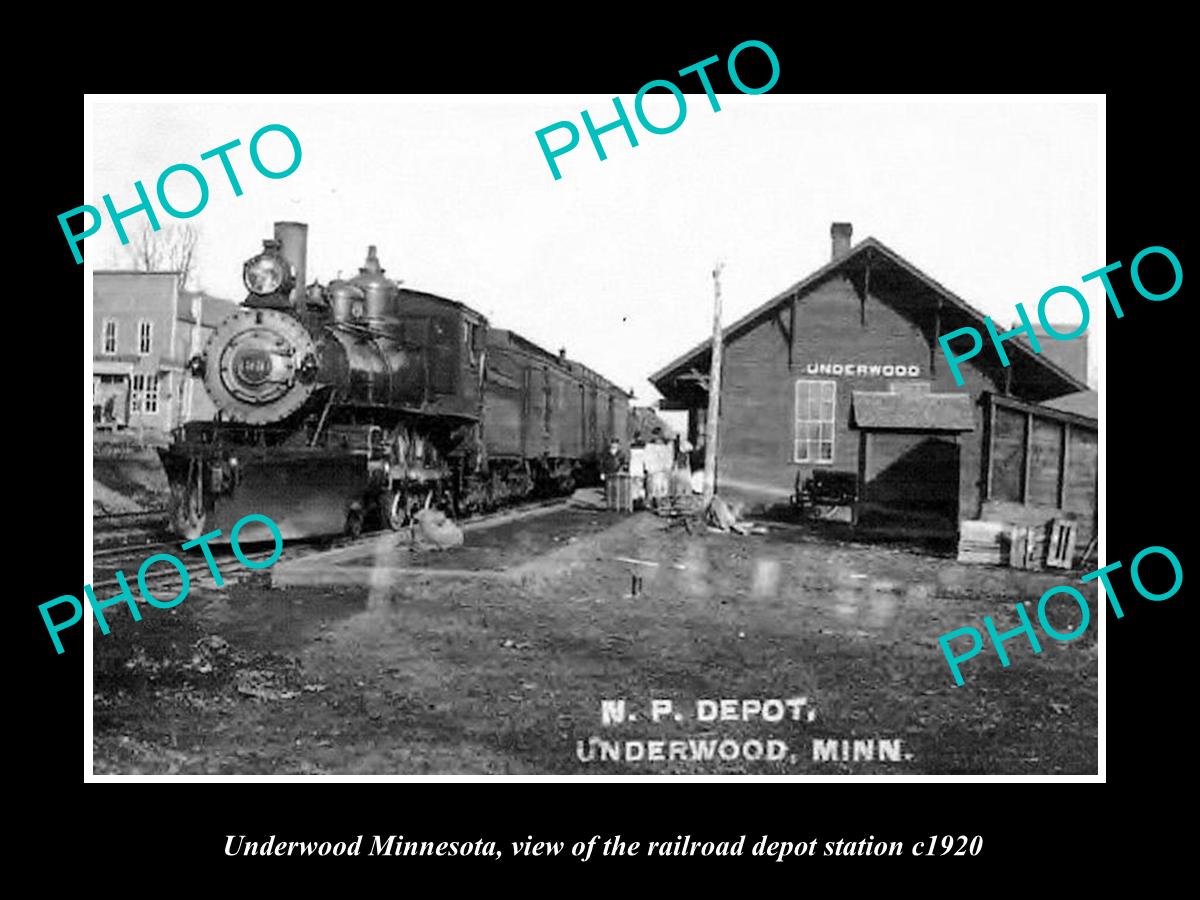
<point>863,370</point>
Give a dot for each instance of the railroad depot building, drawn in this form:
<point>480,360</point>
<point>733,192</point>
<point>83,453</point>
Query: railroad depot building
<point>144,331</point>
<point>841,377</point>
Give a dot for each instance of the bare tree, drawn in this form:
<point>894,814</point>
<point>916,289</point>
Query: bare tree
<point>115,257</point>
<point>170,249</point>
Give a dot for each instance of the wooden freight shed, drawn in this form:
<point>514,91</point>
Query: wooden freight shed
<point>1040,463</point>
<point>841,375</point>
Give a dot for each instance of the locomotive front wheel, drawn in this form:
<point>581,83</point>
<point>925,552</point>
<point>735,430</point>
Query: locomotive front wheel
<point>187,512</point>
<point>393,509</point>
<point>354,523</point>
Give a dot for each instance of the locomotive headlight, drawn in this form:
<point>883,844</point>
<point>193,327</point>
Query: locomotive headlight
<point>264,274</point>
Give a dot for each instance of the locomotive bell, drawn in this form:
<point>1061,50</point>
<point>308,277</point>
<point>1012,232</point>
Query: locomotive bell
<point>315,297</point>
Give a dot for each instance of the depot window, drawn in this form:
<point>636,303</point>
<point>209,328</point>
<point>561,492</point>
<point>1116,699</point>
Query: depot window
<point>815,405</point>
<point>144,396</point>
<point>145,330</point>
<point>110,336</point>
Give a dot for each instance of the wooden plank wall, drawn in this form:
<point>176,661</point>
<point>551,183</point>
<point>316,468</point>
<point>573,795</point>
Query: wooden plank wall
<point>1041,467</point>
<point>1008,455</point>
<point>1045,464</point>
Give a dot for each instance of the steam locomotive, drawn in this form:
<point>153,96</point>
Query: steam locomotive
<point>358,403</point>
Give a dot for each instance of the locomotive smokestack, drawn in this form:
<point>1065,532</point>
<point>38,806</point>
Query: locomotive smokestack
<point>293,241</point>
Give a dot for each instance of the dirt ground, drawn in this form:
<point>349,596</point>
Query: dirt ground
<point>127,477</point>
<point>501,665</point>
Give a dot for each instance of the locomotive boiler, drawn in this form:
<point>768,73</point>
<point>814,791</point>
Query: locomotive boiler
<point>359,402</point>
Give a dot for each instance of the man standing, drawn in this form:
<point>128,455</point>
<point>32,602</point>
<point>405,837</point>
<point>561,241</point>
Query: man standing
<point>637,472</point>
<point>612,466</point>
<point>681,472</point>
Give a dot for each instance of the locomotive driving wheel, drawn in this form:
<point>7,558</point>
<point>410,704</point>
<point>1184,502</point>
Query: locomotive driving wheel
<point>393,508</point>
<point>187,505</point>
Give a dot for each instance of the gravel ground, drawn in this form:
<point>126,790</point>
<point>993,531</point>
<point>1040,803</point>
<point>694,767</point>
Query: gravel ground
<point>506,672</point>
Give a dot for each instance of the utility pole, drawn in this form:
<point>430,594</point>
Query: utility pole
<point>714,392</point>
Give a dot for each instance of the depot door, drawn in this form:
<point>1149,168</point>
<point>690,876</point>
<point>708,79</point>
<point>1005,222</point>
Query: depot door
<point>909,476</point>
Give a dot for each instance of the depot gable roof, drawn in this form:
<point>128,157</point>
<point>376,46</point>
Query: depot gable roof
<point>869,248</point>
<point>1083,403</point>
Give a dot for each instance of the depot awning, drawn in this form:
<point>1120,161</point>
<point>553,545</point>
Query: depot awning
<point>111,367</point>
<point>912,408</point>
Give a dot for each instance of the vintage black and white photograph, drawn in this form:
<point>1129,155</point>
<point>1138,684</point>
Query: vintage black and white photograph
<point>529,436</point>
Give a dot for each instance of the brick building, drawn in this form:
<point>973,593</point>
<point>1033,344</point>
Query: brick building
<point>145,329</point>
<point>841,375</point>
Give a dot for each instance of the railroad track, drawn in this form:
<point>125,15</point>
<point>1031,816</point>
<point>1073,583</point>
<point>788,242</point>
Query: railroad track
<point>112,532</point>
<point>117,521</point>
<point>127,558</point>
<point>132,550</point>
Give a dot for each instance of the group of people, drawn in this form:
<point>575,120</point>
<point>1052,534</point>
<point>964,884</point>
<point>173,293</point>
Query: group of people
<point>656,470</point>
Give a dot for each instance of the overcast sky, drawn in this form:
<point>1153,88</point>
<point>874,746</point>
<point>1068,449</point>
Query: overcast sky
<point>998,201</point>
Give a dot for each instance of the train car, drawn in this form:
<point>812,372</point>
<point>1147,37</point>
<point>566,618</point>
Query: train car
<point>362,401</point>
<point>540,412</point>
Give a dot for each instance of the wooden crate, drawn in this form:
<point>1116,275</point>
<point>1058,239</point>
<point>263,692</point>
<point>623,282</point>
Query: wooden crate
<point>1022,548</point>
<point>982,542</point>
<point>1060,544</point>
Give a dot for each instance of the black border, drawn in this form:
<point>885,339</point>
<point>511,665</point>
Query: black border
<point>1147,448</point>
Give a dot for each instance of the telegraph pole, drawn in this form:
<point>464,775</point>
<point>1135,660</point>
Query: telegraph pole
<point>714,392</point>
